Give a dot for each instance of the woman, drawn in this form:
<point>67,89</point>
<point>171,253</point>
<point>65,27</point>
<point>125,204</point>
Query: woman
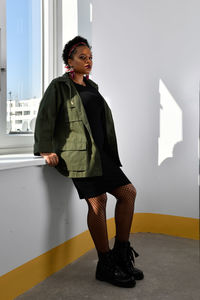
<point>75,133</point>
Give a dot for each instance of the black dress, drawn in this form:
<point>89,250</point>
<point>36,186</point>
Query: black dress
<point>112,176</point>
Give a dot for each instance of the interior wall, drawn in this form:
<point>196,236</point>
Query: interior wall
<point>146,62</point>
<point>84,19</point>
<point>39,210</point>
<point>138,44</point>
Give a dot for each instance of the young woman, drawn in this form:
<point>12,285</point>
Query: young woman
<point>75,133</point>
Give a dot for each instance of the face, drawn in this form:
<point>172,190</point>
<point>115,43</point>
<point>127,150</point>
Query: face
<point>81,61</point>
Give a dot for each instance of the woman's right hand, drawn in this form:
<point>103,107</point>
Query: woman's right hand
<point>51,158</point>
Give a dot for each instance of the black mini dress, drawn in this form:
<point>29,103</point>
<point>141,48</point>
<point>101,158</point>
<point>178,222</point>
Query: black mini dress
<point>113,176</point>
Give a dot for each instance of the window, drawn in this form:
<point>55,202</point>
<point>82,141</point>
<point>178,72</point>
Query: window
<point>27,112</point>
<point>30,57</point>
<point>16,113</point>
<point>23,43</point>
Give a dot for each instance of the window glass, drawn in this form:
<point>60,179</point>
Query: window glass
<point>23,22</point>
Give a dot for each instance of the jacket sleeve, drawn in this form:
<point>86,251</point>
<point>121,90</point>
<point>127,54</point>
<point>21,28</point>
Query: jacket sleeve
<point>45,121</point>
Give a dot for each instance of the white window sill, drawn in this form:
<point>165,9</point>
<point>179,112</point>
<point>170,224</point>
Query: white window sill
<point>13,161</point>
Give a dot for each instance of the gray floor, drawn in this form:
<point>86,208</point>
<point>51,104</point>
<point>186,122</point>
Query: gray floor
<point>170,264</point>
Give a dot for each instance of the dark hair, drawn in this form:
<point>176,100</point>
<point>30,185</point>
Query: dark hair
<point>70,44</point>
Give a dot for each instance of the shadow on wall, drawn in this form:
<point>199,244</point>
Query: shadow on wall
<point>59,189</point>
<point>170,149</point>
<point>176,154</point>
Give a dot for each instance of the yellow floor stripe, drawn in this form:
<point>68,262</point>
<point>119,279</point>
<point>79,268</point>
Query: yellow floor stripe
<point>23,278</point>
<point>166,224</point>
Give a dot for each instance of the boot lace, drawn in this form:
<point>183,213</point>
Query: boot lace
<point>130,253</point>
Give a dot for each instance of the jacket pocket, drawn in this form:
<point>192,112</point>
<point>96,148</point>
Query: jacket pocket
<point>75,155</point>
<point>75,145</point>
<point>73,115</point>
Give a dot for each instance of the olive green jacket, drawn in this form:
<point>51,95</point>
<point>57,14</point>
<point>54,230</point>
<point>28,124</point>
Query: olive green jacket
<point>62,127</point>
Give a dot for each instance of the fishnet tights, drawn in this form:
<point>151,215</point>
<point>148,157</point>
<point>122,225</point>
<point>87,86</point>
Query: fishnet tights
<point>96,221</point>
<point>124,210</point>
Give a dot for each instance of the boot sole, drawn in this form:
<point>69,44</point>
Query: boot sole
<point>139,277</point>
<point>120,284</point>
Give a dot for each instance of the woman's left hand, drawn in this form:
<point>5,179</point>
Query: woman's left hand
<point>51,158</point>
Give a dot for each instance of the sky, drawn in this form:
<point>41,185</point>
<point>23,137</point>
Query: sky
<point>23,49</point>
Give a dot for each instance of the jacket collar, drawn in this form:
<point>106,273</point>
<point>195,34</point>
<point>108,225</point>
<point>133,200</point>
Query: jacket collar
<point>65,78</point>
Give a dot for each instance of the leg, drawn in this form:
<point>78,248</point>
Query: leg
<point>106,268</point>
<point>124,210</point>
<point>123,252</point>
<point>97,222</point>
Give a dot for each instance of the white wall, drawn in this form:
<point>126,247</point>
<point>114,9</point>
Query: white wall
<point>146,53</point>
<point>84,20</point>
<point>137,44</point>
<point>39,209</point>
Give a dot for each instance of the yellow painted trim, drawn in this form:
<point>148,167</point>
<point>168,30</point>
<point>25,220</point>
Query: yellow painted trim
<point>166,224</point>
<point>21,279</point>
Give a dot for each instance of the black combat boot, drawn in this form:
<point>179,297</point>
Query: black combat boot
<point>108,270</point>
<point>124,256</point>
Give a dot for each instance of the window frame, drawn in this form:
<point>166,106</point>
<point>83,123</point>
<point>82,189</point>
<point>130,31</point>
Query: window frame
<point>51,66</point>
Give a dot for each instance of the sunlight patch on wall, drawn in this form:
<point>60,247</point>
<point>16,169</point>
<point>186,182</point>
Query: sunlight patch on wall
<point>90,12</point>
<point>171,124</point>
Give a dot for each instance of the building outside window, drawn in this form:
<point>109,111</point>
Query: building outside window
<point>27,112</point>
<point>24,76</point>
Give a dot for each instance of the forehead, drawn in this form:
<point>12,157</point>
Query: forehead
<point>83,49</point>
